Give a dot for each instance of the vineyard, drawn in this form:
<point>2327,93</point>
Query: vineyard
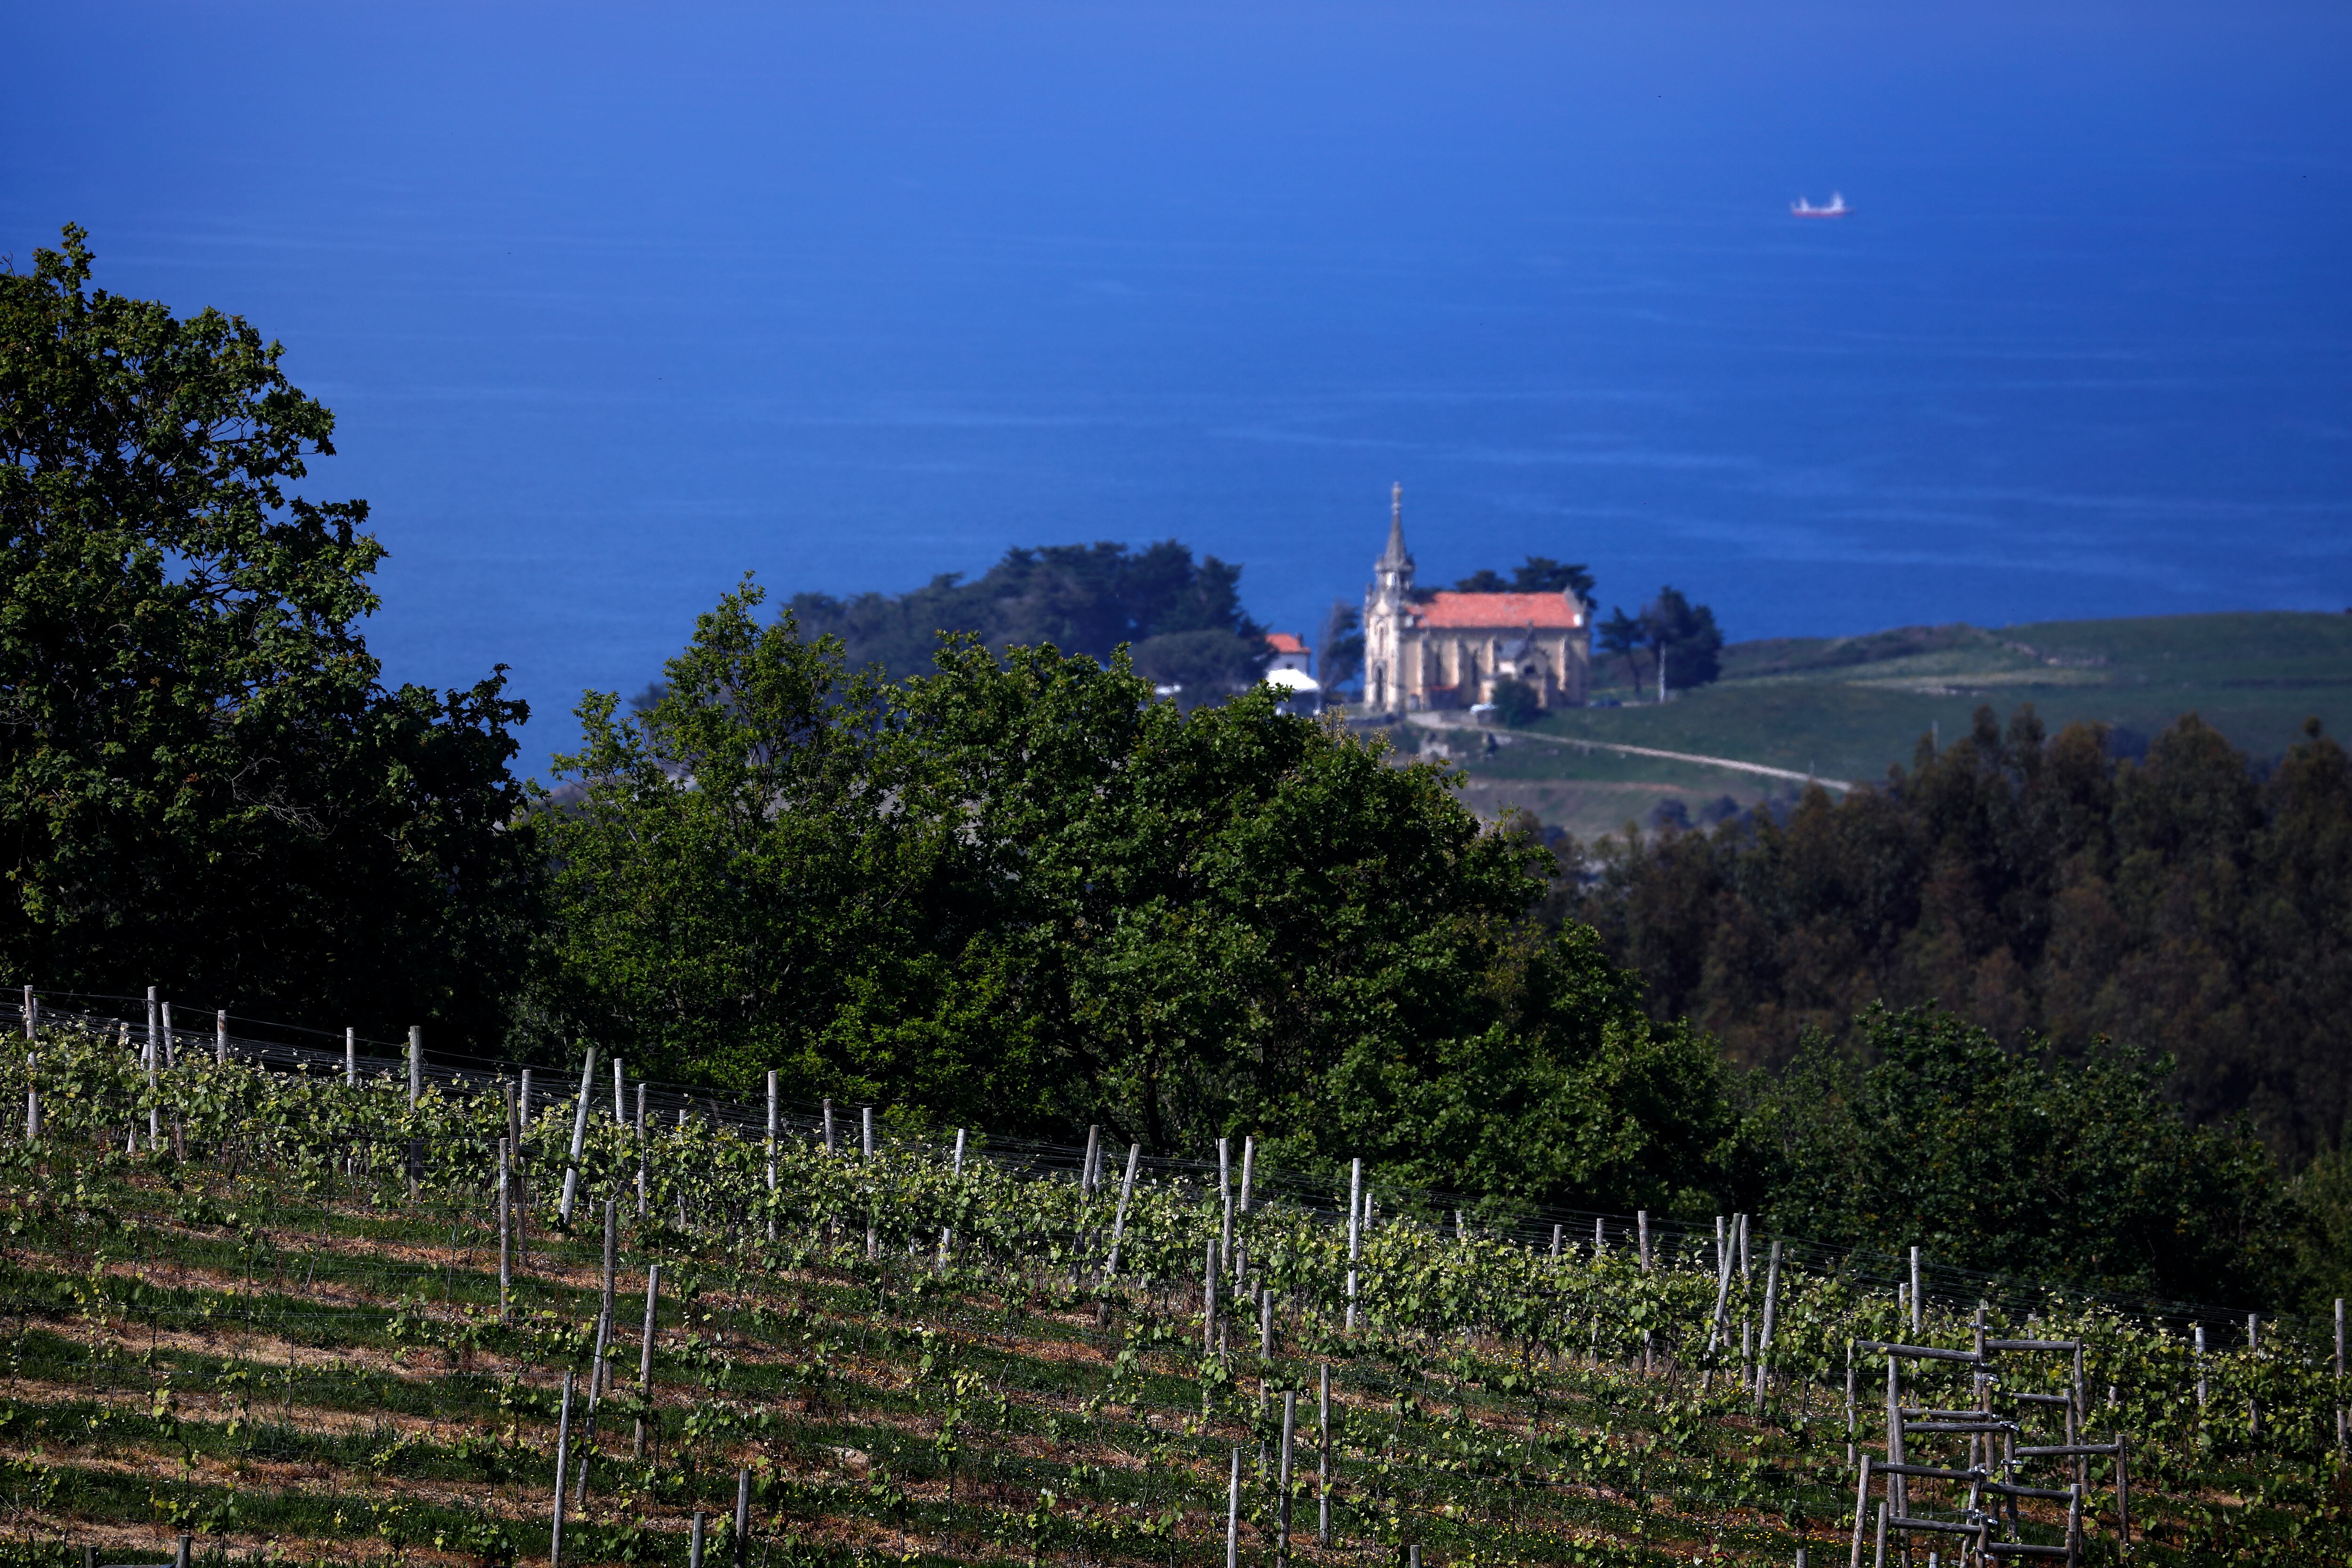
<point>292,1304</point>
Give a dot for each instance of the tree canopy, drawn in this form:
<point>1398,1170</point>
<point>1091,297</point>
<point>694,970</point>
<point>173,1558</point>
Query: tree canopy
<point>2188,902</point>
<point>202,780</point>
<point>1020,892</point>
<point>1183,618</point>
<point>1536,574</point>
<point>2022,1162</point>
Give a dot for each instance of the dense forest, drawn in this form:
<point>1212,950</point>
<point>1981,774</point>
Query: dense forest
<point>1018,890</point>
<point>1183,619</point>
<point>2192,903</point>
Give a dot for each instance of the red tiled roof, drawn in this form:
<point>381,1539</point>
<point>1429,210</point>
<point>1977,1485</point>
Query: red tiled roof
<point>1512,612</point>
<point>1283,642</point>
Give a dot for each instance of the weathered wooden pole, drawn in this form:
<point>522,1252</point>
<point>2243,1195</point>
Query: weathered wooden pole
<point>1355,1231</point>
<point>1118,1221</point>
<point>506,1236</point>
<point>645,1356</point>
<point>1282,1526</point>
<point>1208,1301</point>
<point>563,1474</point>
<point>1771,1310</point>
<point>1323,1456</point>
<point>579,1139</point>
<point>1226,1198</point>
<point>873,1244</point>
<point>1233,1514</point>
<point>2340,1433</point>
<point>415,1092</point>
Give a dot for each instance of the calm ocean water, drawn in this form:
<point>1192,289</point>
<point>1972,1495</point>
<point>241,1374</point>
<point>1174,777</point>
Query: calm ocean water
<point>617,305</point>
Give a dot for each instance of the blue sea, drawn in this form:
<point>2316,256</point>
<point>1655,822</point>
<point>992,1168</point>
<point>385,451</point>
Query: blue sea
<point>616,304</point>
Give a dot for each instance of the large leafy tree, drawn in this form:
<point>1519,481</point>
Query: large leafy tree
<point>204,783</point>
<point>1020,893</point>
<point>2022,1162</point>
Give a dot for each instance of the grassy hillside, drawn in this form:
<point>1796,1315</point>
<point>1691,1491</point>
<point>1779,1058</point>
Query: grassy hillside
<point>1848,707</point>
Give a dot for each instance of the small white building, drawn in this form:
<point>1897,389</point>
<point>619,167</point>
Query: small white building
<point>1289,653</point>
<point>1287,672</point>
<point>1302,692</point>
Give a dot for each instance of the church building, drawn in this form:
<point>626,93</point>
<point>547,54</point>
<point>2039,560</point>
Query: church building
<point>1438,648</point>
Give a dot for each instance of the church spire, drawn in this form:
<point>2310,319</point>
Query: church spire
<point>1394,556</point>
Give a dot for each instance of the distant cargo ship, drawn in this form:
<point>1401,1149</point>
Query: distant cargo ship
<point>1837,208</point>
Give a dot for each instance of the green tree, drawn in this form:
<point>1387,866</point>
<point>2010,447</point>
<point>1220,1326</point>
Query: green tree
<point>202,782</point>
<point>1340,647</point>
<point>2026,1163</point>
<point>1621,637</point>
<point>1080,598</point>
<point>726,873</point>
<point>1516,702</point>
<point>1536,574</point>
<point>1542,574</point>
<point>1021,893</point>
<point>1684,639</point>
<point>2186,902</point>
